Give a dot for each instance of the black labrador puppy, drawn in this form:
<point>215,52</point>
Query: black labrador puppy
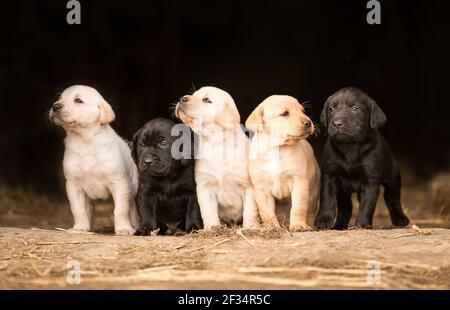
<point>356,159</point>
<point>166,197</point>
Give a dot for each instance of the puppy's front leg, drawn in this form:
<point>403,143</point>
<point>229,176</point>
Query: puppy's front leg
<point>369,199</point>
<point>80,205</point>
<point>209,207</point>
<point>121,195</point>
<point>193,217</point>
<point>134,215</point>
<point>266,206</point>
<point>299,209</point>
<point>250,217</point>
<point>148,218</point>
<point>327,209</point>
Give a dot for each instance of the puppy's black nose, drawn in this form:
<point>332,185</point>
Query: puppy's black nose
<point>338,123</point>
<point>148,161</point>
<point>56,107</point>
<point>184,99</point>
<point>307,123</point>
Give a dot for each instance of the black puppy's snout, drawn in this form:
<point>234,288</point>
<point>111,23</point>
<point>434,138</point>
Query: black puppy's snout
<point>56,107</point>
<point>307,123</point>
<point>184,99</point>
<point>338,123</point>
<point>149,161</point>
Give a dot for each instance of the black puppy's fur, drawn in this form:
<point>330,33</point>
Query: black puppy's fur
<point>356,159</point>
<point>166,198</point>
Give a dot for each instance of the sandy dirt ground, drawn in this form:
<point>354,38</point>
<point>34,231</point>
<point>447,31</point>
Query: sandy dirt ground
<point>408,259</point>
<point>34,254</point>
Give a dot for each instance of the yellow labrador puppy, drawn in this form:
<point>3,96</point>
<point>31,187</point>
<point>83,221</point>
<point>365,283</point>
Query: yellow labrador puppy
<point>282,163</point>
<point>224,189</point>
<point>97,162</point>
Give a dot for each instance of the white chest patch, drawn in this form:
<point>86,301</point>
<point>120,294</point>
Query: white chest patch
<point>281,182</point>
<point>87,171</point>
<point>88,164</point>
<point>227,180</point>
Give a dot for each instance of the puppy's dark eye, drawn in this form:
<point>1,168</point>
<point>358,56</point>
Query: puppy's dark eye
<point>285,114</point>
<point>163,144</point>
<point>331,108</point>
<point>206,100</point>
<point>141,143</point>
<point>78,101</point>
<point>354,108</point>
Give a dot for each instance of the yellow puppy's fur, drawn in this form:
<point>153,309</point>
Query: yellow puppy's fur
<point>282,163</point>
<point>224,190</point>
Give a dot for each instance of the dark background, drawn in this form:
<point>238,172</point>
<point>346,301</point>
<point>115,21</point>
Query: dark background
<point>144,55</point>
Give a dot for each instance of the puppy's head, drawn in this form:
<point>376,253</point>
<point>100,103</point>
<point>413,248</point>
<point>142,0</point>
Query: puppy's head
<point>282,117</point>
<point>152,146</point>
<point>81,107</point>
<point>208,106</point>
<point>350,115</point>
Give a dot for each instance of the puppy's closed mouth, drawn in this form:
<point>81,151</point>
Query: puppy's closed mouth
<point>298,138</point>
<point>58,120</point>
<point>180,113</point>
<point>179,109</point>
<point>341,134</point>
<point>158,173</point>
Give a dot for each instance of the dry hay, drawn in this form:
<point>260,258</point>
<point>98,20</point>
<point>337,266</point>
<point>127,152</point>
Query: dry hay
<point>261,232</point>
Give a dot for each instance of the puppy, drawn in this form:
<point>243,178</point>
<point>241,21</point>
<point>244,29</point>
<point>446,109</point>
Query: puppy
<point>282,163</point>
<point>166,197</point>
<point>356,159</point>
<point>97,162</point>
<point>224,190</point>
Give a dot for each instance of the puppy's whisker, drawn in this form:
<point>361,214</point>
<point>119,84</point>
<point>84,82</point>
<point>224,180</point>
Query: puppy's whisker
<point>193,89</point>
<point>316,132</point>
<point>172,110</point>
<point>173,106</point>
<point>47,117</point>
<point>306,104</point>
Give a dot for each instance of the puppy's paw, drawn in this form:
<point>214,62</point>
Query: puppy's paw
<point>193,227</point>
<point>401,221</point>
<point>212,226</point>
<point>251,221</point>
<point>125,231</point>
<point>79,228</point>
<point>299,228</point>
<point>143,231</point>
<point>324,221</point>
<point>254,224</point>
<point>364,224</point>
<point>340,226</point>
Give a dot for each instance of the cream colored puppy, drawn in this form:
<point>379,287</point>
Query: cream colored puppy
<point>224,190</point>
<point>282,164</point>
<point>97,162</point>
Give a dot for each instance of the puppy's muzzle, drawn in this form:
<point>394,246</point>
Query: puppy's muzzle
<point>308,127</point>
<point>338,123</point>
<point>182,106</point>
<point>149,161</point>
<point>56,107</point>
<point>340,128</point>
<point>184,99</point>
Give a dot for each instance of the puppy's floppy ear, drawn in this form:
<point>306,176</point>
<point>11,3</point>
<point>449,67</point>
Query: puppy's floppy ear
<point>324,115</point>
<point>193,146</point>
<point>377,116</point>
<point>255,121</point>
<point>229,116</point>
<point>106,113</point>
<point>135,146</point>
